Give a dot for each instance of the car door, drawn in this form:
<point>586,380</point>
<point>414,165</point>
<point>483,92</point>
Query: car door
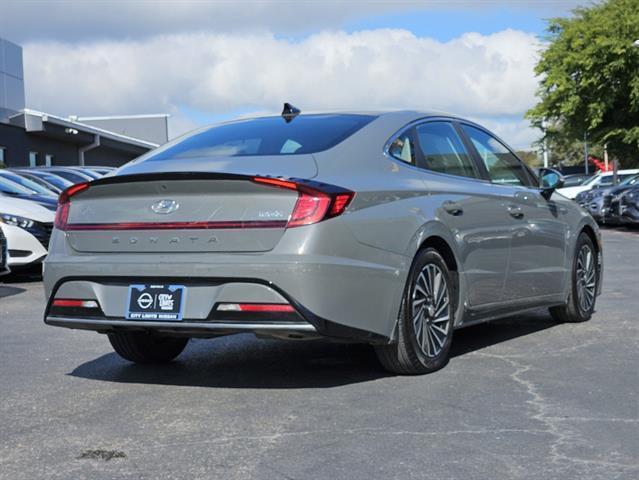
<point>465,203</point>
<point>537,265</point>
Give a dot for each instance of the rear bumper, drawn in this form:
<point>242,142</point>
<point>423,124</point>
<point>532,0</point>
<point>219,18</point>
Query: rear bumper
<point>344,288</point>
<point>201,317</point>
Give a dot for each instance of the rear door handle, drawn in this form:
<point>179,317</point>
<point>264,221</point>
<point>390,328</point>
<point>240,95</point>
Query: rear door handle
<point>453,208</point>
<point>515,211</point>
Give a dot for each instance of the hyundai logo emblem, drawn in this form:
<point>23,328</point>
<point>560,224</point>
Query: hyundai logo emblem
<point>164,207</point>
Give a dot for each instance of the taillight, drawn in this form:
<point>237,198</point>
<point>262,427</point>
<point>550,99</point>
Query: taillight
<point>64,203</point>
<point>313,204</point>
<point>73,303</point>
<point>256,307</point>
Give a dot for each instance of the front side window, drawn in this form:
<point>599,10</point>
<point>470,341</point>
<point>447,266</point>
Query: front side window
<point>502,166</point>
<point>442,150</point>
<point>264,136</point>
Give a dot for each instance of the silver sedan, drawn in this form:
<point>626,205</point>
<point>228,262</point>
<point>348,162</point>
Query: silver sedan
<point>392,229</point>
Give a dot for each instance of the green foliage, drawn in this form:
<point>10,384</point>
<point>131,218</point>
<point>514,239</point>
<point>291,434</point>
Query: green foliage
<point>530,158</point>
<point>564,150</point>
<point>590,79</point>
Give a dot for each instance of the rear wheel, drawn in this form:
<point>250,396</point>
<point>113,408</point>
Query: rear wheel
<point>581,302</point>
<point>425,326</point>
<point>141,347</point>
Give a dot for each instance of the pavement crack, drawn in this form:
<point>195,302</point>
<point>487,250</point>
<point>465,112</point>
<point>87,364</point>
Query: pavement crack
<point>540,407</point>
<point>354,431</point>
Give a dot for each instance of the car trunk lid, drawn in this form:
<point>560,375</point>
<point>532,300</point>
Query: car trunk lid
<point>179,212</point>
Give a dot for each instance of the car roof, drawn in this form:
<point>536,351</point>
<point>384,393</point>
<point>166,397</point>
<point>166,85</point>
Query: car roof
<point>400,114</point>
<point>623,172</point>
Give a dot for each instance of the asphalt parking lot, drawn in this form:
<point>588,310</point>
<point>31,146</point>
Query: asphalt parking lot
<point>521,398</point>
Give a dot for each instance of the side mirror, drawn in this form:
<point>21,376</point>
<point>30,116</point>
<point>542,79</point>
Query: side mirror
<point>549,180</point>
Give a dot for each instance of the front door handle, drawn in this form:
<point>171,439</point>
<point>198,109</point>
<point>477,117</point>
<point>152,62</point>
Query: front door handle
<point>453,208</point>
<point>515,211</point>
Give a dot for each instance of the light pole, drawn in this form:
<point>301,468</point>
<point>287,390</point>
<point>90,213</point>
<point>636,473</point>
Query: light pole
<point>586,150</point>
<point>543,126</point>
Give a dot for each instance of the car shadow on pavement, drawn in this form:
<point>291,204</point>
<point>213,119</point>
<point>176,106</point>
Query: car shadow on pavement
<point>23,275</point>
<point>243,361</point>
<point>484,335</point>
<point>7,291</point>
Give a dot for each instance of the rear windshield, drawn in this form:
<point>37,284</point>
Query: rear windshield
<point>265,136</point>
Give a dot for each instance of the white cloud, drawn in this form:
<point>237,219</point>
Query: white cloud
<point>474,75</point>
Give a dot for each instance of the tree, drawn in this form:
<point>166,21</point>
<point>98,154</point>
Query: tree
<point>589,79</point>
<point>566,150</point>
<point>529,157</point>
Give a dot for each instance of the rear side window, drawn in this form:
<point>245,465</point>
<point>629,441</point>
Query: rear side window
<point>442,150</point>
<point>265,136</point>
<point>503,167</point>
<point>403,148</point>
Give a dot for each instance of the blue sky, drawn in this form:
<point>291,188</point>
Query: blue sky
<point>446,24</point>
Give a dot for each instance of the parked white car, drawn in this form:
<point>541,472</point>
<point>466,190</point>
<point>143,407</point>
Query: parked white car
<point>602,179</point>
<point>4,268</point>
<point>27,226</point>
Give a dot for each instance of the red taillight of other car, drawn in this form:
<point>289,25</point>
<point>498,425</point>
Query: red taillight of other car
<point>64,203</point>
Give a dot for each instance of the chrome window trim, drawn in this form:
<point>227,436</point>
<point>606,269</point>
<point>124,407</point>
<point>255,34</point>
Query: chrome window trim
<point>413,124</point>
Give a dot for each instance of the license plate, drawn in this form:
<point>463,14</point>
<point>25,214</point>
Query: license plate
<point>156,302</point>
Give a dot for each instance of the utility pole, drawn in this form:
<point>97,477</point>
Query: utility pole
<point>606,155</point>
<point>543,126</point>
<point>586,151</point>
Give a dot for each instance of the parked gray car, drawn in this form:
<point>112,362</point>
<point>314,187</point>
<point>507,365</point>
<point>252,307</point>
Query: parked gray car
<point>392,229</point>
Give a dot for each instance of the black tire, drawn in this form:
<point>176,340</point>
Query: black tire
<point>574,311</point>
<point>141,347</point>
<point>409,356</point>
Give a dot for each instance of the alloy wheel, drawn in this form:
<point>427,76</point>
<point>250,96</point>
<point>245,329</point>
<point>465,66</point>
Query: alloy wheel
<point>586,278</point>
<point>430,310</point>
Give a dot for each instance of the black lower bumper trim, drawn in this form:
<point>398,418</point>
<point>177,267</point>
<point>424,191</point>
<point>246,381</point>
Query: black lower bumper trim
<point>107,325</point>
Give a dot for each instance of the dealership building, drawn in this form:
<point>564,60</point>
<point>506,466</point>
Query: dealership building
<point>33,138</point>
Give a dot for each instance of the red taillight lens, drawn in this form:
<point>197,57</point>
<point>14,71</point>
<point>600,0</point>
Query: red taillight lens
<point>255,307</point>
<point>313,205</point>
<point>73,303</point>
<point>340,203</point>
<point>64,203</point>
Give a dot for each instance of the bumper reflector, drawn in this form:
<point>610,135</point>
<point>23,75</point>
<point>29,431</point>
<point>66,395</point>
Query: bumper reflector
<point>73,303</point>
<point>254,307</point>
